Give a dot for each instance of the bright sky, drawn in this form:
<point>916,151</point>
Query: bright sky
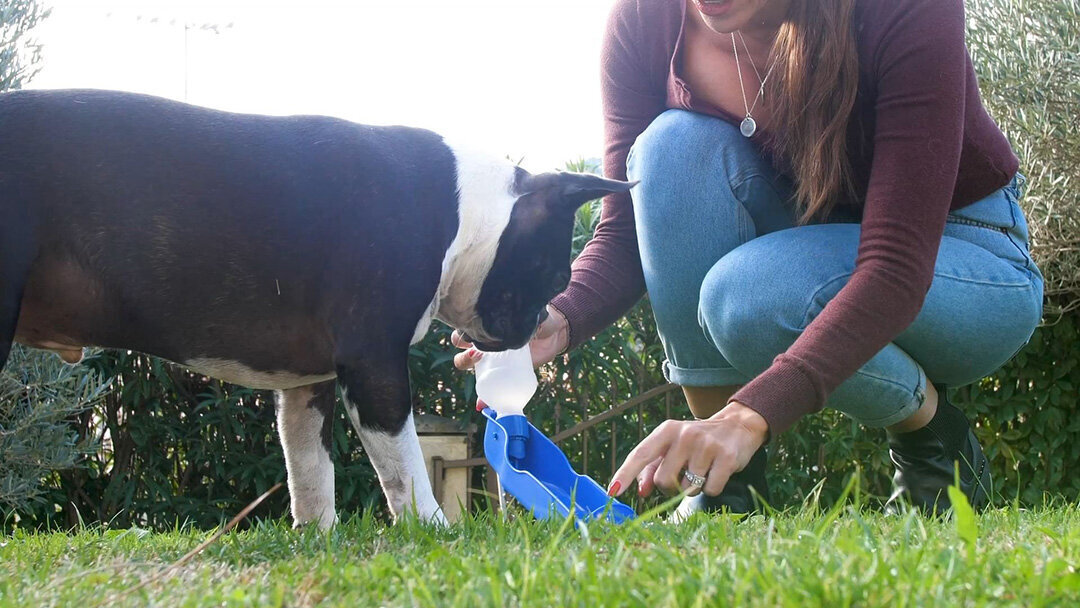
<point>514,77</point>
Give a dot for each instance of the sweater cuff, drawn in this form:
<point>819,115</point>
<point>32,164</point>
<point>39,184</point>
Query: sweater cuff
<point>782,394</point>
<point>576,315</point>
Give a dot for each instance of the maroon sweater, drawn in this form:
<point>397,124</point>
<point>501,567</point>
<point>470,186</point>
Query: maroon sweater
<point>921,144</point>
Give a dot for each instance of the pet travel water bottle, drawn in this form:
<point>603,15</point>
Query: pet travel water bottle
<point>530,466</point>
<point>505,381</point>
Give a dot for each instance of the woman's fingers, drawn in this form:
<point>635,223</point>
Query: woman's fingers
<point>669,475</point>
<point>652,447</point>
<point>458,339</point>
<point>467,359</point>
<point>645,478</point>
<point>718,476</point>
<point>550,338</point>
<point>714,449</point>
<point>701,462</point>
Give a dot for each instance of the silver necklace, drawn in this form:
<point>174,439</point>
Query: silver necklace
<point>749,56</point>
<point>749,125</point>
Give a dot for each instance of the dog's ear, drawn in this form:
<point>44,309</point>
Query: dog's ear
<point>568,190</point>
<point>580,188</point>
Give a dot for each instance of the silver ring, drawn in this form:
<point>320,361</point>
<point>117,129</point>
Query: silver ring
<point>695,480</point>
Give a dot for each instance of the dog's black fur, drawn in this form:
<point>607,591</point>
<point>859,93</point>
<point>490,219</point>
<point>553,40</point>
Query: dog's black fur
<point>531,266</point>
<point>306,247</point>
<point>188,233</point>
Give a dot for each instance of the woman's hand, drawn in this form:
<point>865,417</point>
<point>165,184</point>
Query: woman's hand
<point>713,448</point>
<point>551,339</point>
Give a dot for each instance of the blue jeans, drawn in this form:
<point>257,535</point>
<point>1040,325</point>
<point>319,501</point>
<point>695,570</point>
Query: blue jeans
<point>733,280</point>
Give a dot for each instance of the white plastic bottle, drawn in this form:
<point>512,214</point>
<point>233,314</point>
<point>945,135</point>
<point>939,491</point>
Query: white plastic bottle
<point>506,381</point>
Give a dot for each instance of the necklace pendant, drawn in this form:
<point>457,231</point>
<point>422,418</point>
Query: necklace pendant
<point>748,126</point>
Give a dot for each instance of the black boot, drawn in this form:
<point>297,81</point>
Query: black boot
<point>736,496</point>
<point>927,459</point>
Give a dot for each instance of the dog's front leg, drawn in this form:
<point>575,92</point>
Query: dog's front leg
<point>305,424</point>
<point>378,401</point>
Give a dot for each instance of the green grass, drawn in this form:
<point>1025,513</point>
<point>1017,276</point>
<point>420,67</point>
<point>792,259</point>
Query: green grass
<point>843,557</point>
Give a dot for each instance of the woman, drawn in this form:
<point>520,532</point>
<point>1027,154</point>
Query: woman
<point>827,217</point>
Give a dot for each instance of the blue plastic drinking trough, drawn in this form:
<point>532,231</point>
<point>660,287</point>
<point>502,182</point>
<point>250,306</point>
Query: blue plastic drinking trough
<point>536,473</point>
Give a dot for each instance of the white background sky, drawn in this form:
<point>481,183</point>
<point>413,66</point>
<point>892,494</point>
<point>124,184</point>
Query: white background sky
<point>514,77</point>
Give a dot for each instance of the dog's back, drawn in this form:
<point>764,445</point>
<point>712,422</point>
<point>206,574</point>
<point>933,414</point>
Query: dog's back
<point>199,234</point>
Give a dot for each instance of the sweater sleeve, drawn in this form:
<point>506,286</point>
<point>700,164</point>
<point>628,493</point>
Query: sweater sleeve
<point>920,68</point>
<point>606,279</point>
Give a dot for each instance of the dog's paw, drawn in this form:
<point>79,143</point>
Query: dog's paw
<point>324,521</point>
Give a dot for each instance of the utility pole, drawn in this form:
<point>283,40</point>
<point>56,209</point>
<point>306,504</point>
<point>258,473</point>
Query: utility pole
<point>188,26</point>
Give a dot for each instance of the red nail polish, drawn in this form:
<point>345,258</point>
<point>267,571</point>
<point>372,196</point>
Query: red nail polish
<point>614,489</point>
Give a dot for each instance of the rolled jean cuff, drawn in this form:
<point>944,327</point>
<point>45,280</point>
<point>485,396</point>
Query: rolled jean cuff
<point>907,410</point>
<point>714,376</point>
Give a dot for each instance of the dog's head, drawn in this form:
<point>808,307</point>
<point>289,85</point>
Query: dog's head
<point>532,262</point>
<point>514,250</point>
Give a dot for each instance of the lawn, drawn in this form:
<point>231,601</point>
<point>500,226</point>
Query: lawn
<point>809,557</point>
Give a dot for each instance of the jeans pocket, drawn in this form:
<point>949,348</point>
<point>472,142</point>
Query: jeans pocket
<point>997,224</point>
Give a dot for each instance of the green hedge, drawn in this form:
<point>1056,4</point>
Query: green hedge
<point>177,448</point>
<point>39,394</point>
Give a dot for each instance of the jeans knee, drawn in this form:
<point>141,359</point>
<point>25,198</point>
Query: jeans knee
<point>725,313</point>
<point>685,142</point>
<point>653,147</point>
<point>746,312</point>
<point>687,164</point>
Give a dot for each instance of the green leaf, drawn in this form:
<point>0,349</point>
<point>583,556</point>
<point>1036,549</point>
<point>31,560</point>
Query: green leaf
<point>964,518</point>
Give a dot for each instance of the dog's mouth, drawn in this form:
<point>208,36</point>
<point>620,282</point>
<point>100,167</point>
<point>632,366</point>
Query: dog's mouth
<point>493,347</point>
<point>488,347</point>
<point>467,338</point>
<point>501,345</point>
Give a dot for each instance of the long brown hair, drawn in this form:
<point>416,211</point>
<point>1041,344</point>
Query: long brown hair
<point>811,101</point>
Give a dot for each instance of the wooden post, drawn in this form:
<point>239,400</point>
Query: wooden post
<point>438,472</point>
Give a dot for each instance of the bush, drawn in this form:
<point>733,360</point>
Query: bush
<point>39,395</point>
<point>179,448</point>
<point>1027,58</point>
<point>19,55</point>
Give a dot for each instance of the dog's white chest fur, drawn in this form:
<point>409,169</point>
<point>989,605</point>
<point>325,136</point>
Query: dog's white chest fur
<point>486,199</point>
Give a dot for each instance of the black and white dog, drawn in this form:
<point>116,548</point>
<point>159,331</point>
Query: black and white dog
<point>274,252</point>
